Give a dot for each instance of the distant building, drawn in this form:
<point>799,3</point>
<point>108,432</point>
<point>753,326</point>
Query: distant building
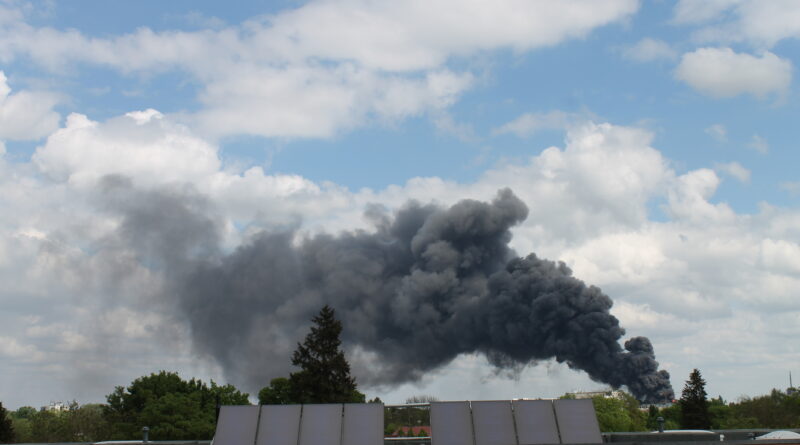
<point>55,407</point>
<point>415,431</point>
<point>607,394</point>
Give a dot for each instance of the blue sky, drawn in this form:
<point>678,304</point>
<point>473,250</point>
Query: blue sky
<point>654,142</point>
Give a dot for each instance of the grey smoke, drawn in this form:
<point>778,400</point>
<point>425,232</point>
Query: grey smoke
<point>427,284</point>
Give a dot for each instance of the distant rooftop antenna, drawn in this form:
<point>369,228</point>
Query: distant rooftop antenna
<point>790,380</point>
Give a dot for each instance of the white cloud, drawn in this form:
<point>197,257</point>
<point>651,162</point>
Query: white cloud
<point>529,123</point>
<point>648,50</point>
<point>721,72</point>
<point>26,115</point>
<point>759,144</point>
<point>694,274</point>
<point>324,67</point>
<point>12,349</point>
<point>139,144</point>
<point>699,11</point>
<point>320,102</point>
<point>761,24</point>
<point>734,169</point>
<point>718,132</point>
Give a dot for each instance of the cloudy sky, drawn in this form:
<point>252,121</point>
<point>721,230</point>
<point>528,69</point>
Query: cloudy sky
<point>654,143</point>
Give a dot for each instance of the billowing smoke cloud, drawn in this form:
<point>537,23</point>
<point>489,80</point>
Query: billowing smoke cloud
<point>429,283</point>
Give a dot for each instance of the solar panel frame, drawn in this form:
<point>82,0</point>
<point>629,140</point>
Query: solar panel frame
<point>321,424</point>
<point>453,421</point>
<point>577,421</point>
<point>535,421</point>
<point>279,425</point>
<point>237,425</point>
<point>493,422</point>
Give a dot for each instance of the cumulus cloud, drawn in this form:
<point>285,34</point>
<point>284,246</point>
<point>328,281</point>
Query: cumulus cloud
<point>701,267</point>
<point>721,72</point>
<point>26,115</point>
<point>310,71</point>
<point>648,50</point>
<point>139,144</point>
<point>761,24</point>
<point>735,170</point>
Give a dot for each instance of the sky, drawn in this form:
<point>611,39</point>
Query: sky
<point>654,144</point>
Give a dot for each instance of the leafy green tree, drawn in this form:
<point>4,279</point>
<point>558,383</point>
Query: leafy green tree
<point>693,403</point>
<point>87,423</point>
<point>324,375</point>
<point>173,408</point>
<point>49,426</point>
<point>6,426</point>
<point>619,415</point>
<point>777,409</point>
<point>279,392</point>
<point>424,398</point>
<point>672,416</point>
<point>25,412</point>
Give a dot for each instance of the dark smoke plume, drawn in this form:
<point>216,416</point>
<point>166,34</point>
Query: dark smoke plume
<point>429,283</point>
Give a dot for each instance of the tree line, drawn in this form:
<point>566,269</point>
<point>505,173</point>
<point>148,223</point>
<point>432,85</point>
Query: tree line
<point>177,409</point>
<point>694,410</point>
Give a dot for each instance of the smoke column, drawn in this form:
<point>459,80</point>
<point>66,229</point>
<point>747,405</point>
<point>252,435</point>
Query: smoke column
<point>429,283</point>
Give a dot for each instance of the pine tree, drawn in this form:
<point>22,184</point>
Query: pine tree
<point>325,374</point>
<point>693,403</point>
<point>6,428</point>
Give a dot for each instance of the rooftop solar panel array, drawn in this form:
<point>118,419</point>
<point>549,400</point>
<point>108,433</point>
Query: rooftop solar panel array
<point>363,424</point>
<point>577,421</point>
<point>518,422</point>
<point>237,425</point>
<point>494,423</point>
<point>536,422</point>
<point>278,425</point>
<point>452,424</point>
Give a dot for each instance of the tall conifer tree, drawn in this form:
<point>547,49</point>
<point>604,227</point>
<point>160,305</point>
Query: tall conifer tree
<point>693,403</point>
<point>6,427</point>
<point>325,374</point>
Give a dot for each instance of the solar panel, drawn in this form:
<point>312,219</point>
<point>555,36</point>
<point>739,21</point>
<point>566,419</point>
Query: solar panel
<point>536,422</point>
<point>451,423</point>
<point>363,424</point>
<point>493,423</point>
<point>321,425</point>
<point>278,425</point>
<point>577,421</point>
<point>236,425</point>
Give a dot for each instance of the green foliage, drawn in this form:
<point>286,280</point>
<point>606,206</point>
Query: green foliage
<point>672,417</point>
<point>6,426</point>
<point>324,375</point>
<point>279,392</point>
<point>619,415</point>
<point>777,409</point>
<point>25,412</point>
<point>78,424</point>
<point>422,399</point>
<point>693,403</point>
<point>173,409</point>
